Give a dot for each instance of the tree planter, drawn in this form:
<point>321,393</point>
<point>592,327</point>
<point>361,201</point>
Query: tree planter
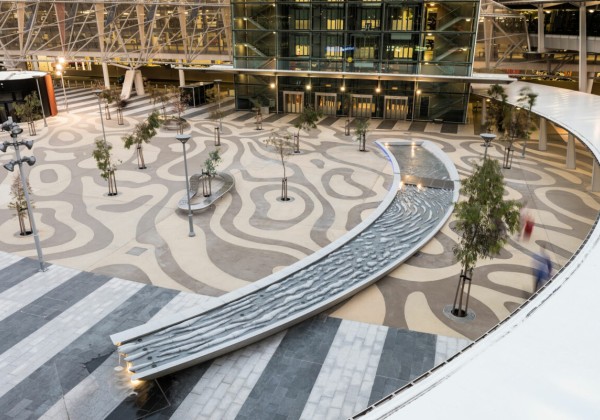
<point>119,116</point>
<point>112,183</point>
<point>107,111</point>
<point>362,143</point>
<point>31,127</point>
<point>508,157</point>
<point>284,190</point>
<point>140,157</point>
<point>217,136</point>
<point>206,184</point>
<point>347,127</point>
<point>457,307</point>
<point>21,215</point>
<point>296,143</point>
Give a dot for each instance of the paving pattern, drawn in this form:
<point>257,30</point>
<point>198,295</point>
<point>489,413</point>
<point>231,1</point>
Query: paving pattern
<point>139,236</point>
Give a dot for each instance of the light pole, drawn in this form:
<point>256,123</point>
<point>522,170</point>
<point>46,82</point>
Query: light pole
<point>218,82</point>
<point>183,138</point>
<point>97,92</point>
<point>487,139</point>
<point>37,82</point>
<point>15,130</point>
<point>60,72</point>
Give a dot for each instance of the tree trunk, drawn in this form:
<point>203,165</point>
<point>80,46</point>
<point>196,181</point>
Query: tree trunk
<point>508,157</point>
<point>119,116</point>
<point>140,157</point>
<point>284,190</point>
<point>457,308</point>
<point>107,111</point>
<point>297,143</point>
<point>112,183</point>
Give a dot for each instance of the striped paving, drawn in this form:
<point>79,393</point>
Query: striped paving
<point>65,367</point>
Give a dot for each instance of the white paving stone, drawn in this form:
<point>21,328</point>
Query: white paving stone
<point>30,289</point>
<point>355,347</point>
<point>8,259</point>
<point>216,394</point>
<point>446,347</point>
<point>61,331</point>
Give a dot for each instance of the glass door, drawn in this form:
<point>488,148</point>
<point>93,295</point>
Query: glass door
<point>293,102</point>
<point>326,103</point>
<point>396,107</point>
<point>361,106</point>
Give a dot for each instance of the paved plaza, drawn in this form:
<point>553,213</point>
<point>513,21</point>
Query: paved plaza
<point>118,262</point>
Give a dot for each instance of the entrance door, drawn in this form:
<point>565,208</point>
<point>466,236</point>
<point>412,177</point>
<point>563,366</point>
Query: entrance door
<point>423,108</point>
<point>396,107</point>
<point>361,106</point>
<point>326,103</point>
<point>293,102</point>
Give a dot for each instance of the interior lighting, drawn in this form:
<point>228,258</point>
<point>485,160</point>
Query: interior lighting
<point>272,85</point>
<point>308,87</point>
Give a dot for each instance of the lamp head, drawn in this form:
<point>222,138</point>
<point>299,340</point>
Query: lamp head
<point>10,166</point>
<point>16,130</point>
<point>183,138</point>
<point>3,147</point>
<point>30,160</point>
<point>28,144</point>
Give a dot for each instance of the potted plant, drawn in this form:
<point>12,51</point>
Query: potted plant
<point>306,121</point>
<point>29,110</point>
<point>360,130</point>
<point>484,220</point>
<point>102,155</point>
<point>282,144</point>
<point>19,203</point>
<point>209,171</point>
<point>142,133</point>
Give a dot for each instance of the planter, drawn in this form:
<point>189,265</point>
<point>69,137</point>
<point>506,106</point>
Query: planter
<point>508,157</point>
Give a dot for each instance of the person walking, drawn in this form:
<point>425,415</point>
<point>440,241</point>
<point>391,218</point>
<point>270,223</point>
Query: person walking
<point>542,268</point>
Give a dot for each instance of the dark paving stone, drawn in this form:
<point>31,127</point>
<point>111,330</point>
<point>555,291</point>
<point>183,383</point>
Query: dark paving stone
<point>19,325</point>
<point>274,117</point>
<point>328,121</point>
<point>64,371</point>
<point>286,383</point>
<point>386,125</point>
<point>417,126</point>
<point>449,128</point>
<point>294,121</point>
<point>405,355</point>
<point>245,117</point>
<point>17,272</point>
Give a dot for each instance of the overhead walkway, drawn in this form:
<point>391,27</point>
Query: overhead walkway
<point>538,363</point>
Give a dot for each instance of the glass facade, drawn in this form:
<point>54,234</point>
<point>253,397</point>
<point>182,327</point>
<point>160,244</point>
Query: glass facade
<point>379,37</point>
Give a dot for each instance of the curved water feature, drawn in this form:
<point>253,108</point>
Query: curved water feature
<point>414,214</point>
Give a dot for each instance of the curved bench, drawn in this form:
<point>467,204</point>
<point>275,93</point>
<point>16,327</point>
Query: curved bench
<point>401,225</point>
<point>222,182</point>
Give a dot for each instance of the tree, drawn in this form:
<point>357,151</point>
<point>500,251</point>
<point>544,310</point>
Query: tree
<point>142,133</point>
<point>306,121</point>
<point>210,170</point>
<point>102,155</point>
<point>360,130</point>
<point>282,144</point>
<point>19,203</point>
<point>527,99</point>
<point>108,96</point>
<point>179,103</point>
<point>163,96</point>
<point>29,111</point>
<point>484,221</point>
<point>498,109</point>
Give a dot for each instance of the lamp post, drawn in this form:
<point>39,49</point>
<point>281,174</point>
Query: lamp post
<point>15,130</point>
<point>183,138</point>
<point>37,82</point>
<point>97,92</point>
<point>218,82</point>
<point>60,72</point>
<point>487,139</point>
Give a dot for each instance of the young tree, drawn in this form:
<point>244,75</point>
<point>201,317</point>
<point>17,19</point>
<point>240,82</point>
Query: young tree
<point>306,121</point>
<point>498,110</point>
<point>527,99</point>
<point>179,103</point>
<point>483,221</point>
<point>108,96</point>
<point>360,130</point>
<point>282,144</point>
<point>102,155</point>
<point>19,203</point>
<point>210,170</point>
<point>142,133</point>
<point>29,111</point>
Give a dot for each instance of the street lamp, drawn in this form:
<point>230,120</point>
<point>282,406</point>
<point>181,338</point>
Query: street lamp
<point>183,138</point>
<point>97,92</point>
<point>15,130</point>
<point>487,139</point>
<point>60,72</point>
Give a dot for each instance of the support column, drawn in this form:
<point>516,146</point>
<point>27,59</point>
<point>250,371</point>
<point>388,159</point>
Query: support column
<point>138,81</point>
<point>582,48</point>
<point>487,37</point>
<point>541,47</point>
<point>105,74</point>
<point>571,152</point>
<point>590,82</point>
<point>543,133</point>
<point>181,77</point>
<point>595,176</point>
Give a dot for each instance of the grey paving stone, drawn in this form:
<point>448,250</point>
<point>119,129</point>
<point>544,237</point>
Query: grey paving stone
<point>31,317</point>
<point>17,272</point>
<point>293,369</point>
